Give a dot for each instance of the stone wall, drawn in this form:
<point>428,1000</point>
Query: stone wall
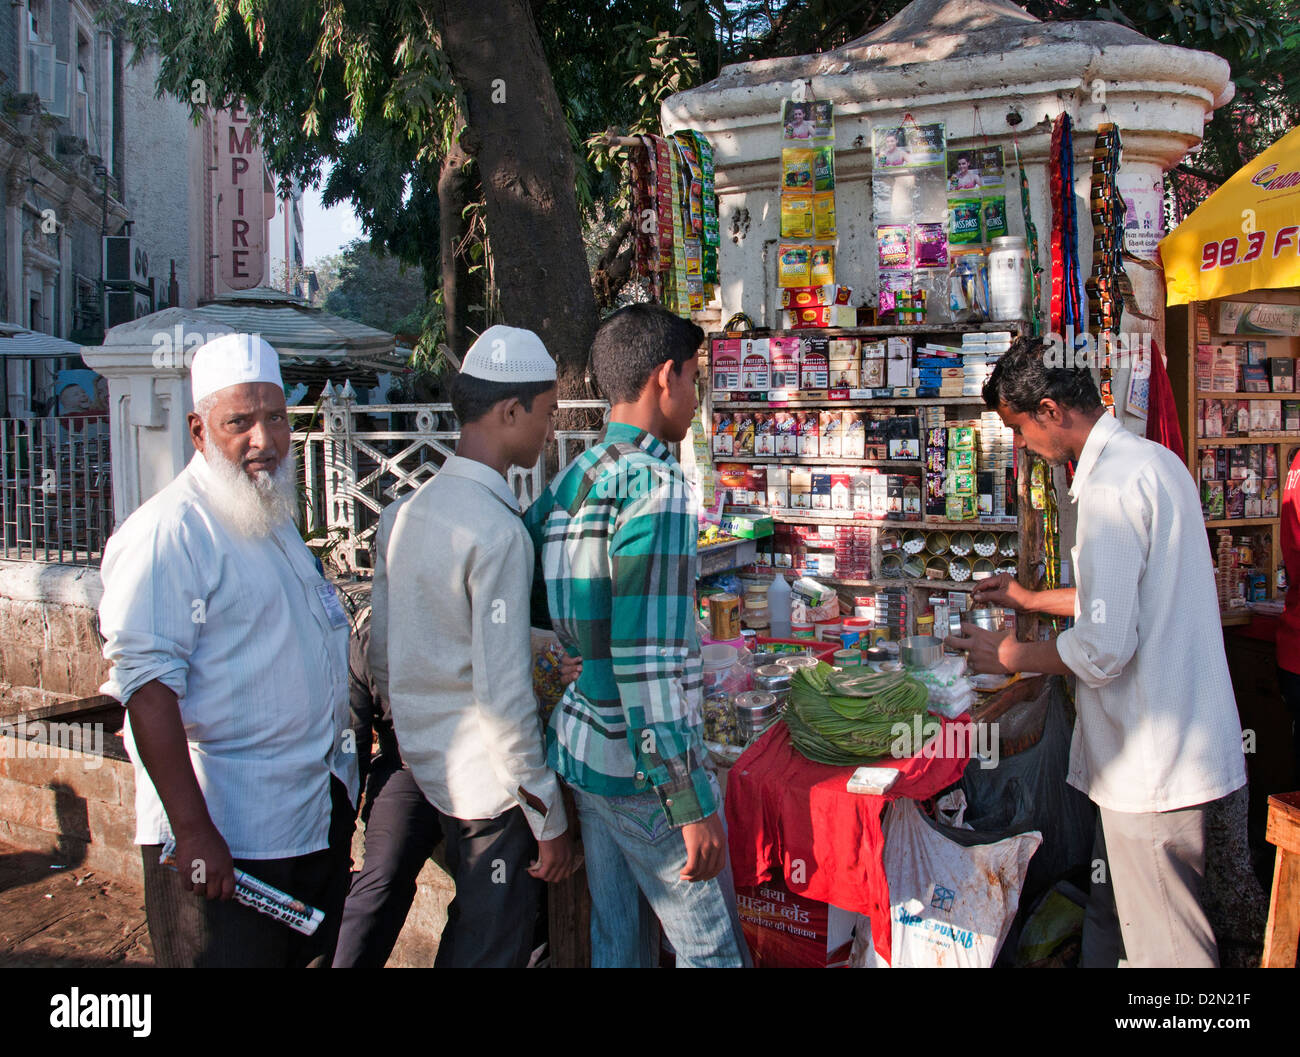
<point>50,649</point>
<point>78,808</point>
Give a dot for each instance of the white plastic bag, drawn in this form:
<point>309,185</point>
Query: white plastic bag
<point>950,905</point>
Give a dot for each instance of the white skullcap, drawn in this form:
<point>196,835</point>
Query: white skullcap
<point>233,359</point>
<point>509,354</point>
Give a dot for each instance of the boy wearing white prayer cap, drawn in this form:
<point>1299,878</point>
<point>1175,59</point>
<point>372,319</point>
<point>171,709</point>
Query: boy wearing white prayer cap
<point>457,661</point>
<point>229,651</point>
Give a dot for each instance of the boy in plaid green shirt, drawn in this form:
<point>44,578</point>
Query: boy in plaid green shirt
<point>615,539</point>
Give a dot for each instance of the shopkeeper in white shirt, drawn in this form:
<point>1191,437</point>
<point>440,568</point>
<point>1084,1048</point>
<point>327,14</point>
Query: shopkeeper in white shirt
<point>1157,736</point>
<point>229,651</point>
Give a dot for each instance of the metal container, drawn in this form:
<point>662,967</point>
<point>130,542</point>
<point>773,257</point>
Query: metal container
<point>1009,278</point>
<point>988,619</point>
<point>877,655</point>
<point>921,651</point>
<point>774,678</point>
<point>847,659</point>
<point>793,664</point>
<point>755,711</point>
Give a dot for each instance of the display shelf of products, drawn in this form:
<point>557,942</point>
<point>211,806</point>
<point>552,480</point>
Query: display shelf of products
<point>1007,524</point>
<point>965,454</point>
<point>1225,383</point>
<point>1241,522</point>
<point>890,330</point>
<point>1280,394</point>
<point>727,554</point>
<point>1228,442</point>
<point>817,460</point>
<point>897,401</point>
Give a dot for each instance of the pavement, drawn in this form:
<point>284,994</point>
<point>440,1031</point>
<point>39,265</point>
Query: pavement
<point>54,916</point>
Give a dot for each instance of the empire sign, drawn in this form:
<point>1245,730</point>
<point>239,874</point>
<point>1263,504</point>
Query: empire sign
<point>241,201</point>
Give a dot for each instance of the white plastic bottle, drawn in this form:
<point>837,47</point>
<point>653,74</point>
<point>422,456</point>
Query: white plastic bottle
<point>778,607</point>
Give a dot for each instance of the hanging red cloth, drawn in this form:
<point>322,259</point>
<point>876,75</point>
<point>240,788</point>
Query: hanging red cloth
<point>1162,411</point>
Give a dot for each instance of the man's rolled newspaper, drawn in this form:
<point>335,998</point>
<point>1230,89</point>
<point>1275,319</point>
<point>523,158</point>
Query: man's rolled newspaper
<point>262,897</point>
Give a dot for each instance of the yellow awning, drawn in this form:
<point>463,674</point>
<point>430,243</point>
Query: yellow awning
<point>1245,236</point>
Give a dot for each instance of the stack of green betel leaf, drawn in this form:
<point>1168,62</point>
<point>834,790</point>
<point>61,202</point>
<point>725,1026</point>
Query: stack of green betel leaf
<point>848,718</point>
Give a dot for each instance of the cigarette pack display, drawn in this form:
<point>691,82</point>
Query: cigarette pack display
<point>1204,367</point>
<point>1213,415</point>
<point>787,433</point>
<point>732,483</point>
<point>1223,371</point>
<point>845,374</point>
<point>1255,461</point>
<point>764,433</point>
<point>1243,418</point>
<point>814,364</point>
<point>785,362</point>
<point>1207,472</point>
<point>1270,460</point>
<point>724,433</point>
<point>841,493</point>
<point>1269,498</point>
<point>809,433</point>
<point>1212,500</point>
<point>744,433</point>
<point>756,485</point>
<point>854,443</point>
<point>755,364</point>
<point>879,496</point>
<point>800,488</point>
<point>1291,415</point>
<point>1221,463</point>
<point>1254,378</point>
<point>1234,504</point>
<point>832,434</point>
<point>873,365</point>
<point>821,491</point>
<point>1237,465</point>
<point>1281,371</point>
<point>726,364</point>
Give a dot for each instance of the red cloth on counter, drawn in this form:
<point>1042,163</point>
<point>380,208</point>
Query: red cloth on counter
<point>784,809</point>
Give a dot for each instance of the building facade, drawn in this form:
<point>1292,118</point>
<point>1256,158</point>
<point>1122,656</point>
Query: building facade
<point>61,161</point>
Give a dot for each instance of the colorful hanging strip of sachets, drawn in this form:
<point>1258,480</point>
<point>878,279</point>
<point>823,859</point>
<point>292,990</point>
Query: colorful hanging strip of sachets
<point>807,247</point>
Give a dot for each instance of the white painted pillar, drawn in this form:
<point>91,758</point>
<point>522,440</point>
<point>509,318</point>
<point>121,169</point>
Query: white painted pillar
<point>146,363</point>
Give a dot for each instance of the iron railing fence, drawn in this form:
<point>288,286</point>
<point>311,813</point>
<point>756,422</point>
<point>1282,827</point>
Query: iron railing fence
<point>358,458</point>
<point>56,490</point>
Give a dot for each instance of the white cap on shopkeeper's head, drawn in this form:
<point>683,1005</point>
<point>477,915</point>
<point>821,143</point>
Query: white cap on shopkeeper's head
<point>233,359</point>
<point>509,354</point>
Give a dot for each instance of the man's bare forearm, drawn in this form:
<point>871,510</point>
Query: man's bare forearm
<point>1032,657</point>
<point>164,750</point>
<point>1055,603</point>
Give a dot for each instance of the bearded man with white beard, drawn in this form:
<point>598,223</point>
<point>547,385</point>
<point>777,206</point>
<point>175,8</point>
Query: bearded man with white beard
<point>229,650</point>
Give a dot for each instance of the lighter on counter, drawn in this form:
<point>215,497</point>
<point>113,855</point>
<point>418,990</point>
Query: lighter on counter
<point>262,897</point>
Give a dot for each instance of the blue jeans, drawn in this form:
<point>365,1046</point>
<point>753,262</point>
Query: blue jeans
<point>633,861</point>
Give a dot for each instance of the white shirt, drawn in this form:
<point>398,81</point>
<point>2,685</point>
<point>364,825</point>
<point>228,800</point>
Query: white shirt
<point>1157,725</point>
<point>239,628</point>
<point>457,574</point>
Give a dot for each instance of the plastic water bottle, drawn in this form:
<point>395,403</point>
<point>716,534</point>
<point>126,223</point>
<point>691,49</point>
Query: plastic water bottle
<point>778,607</point>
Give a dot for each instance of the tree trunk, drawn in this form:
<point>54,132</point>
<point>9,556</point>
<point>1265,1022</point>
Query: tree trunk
<point>454,186</point>
<point>517,134</point>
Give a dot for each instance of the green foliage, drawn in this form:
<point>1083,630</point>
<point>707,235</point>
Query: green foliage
<point>373,288</point>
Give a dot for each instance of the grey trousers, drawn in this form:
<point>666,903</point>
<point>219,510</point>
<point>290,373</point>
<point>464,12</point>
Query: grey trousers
<point>1146,912</point>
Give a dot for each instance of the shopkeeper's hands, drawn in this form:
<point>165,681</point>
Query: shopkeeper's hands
<point>706,849</point>
<point>1003,590</point>
<point>985,650</point>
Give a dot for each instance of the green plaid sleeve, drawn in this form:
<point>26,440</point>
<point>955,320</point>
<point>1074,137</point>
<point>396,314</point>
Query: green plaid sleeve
<point>652,631</point>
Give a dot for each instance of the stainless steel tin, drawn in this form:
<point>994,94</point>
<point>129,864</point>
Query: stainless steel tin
<point>772,678</point>
<point>801,661</point>
<point>755,711</point>
<point>921,651</point>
